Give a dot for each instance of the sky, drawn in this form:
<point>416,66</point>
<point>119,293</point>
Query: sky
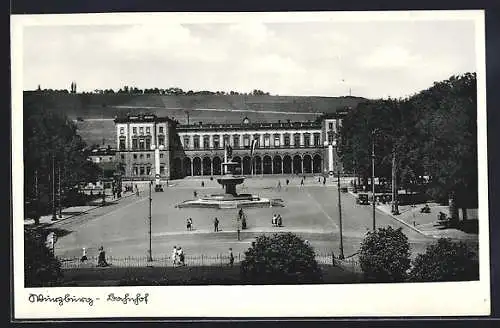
<point>376,59</point>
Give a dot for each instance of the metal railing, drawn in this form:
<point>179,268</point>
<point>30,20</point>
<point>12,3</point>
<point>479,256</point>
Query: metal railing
<point>218,260</point>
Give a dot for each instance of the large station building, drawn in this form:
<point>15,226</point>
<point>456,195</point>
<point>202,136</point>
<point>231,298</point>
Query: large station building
<point>149,146</point>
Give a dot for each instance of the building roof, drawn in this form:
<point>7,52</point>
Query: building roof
<point>142,118</point>
<point>250,126</point>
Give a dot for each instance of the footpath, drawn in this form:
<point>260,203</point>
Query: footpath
<point>426,223</point>
<point>74,211</point>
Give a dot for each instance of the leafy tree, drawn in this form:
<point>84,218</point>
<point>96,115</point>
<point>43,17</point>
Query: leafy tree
<point>280,259</point>
<point>385,255</point>
<point>41,268</point>
<point>445,261</point>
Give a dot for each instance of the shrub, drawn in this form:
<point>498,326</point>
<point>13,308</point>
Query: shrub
<point>41,268</point>
<point>385,255</point>
<point>280,259</point>
<point>445,261</point>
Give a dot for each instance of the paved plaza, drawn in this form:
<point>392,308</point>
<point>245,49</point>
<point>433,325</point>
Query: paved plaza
<point>311,211</point>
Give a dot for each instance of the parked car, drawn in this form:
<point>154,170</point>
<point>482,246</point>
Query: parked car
<point>343,189</point>
<point>362,199</point>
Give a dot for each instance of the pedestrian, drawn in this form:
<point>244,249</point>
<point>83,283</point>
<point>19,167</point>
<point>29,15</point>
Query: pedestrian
<point>174,256</point>
<point>188,224</point>
<point>216,225</point>
<point>287,182</point>
<point>195,194</point>
<point>280,221</point>
<point>180,255</point>
<point>231,257</point>
<point>279,185</point>
<point>101,261</point>
<point>324,181</point>
<point>84,255</point>
<point>273,220</point>
<point>202,184</point>
<point>319,179</point>
<point>302,182</point>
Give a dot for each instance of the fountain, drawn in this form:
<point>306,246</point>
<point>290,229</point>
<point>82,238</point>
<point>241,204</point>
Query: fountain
<point>230,199</point>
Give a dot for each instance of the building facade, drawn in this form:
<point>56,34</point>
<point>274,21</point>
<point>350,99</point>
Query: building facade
<point>150,146</point>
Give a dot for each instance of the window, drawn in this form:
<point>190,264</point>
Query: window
<point>148,143</point>
<point>196,142</point>
<point>246,141</point>
<point>134,130</point>
<point>141,144</point>
<point>236,141</point>
<point>122,156</point>
<point>216,142</point>
<point>122,130</point>
<point>226,140</point>
<point>134,143</point>
<point>206,142</point>
<point>307,140</point>
<point>316,139</point>
<point>296,140</point>
<point>141,130</point>
<point>161,140</point>
<point>161,155</point>
<point>277,140</point>
<point>148,155</point>
<point>110,158</point>
<point>330,137</point>
<point>186,142</point>
<point>141,156</point>
<point>162,169</point>
<point>148,170</point>
<point>267,141</point>
<point>141,170</point>
<point>122,144</point>
<point>161,129</point>
<point>287,140</point>
<point>330,126</point>
<point>148,130</point>
<point>136,170</point>
<point>135,156</point>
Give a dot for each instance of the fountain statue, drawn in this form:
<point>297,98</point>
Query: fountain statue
<point>230,198</point>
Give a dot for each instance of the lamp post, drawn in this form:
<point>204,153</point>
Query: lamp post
<point>341,255</point>
<point>374,131</point>
<point>150,253</point>
<point>54,216</point>
<point>59,185</point>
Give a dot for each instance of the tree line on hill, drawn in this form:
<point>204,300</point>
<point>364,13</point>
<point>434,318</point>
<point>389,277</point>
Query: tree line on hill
<point>53,152</point>
<point>132,90</point>
<point>431,134</point>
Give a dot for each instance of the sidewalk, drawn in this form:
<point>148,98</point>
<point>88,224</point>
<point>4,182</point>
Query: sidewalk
<point>426,223</point>
<point>73,211</point>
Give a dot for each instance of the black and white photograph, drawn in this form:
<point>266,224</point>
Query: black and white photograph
<point>250,164</point>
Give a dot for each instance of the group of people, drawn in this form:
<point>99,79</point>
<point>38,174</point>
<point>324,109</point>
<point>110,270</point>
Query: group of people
<point>101,260</point>
<point>178,258</point>
<point>277,221</point>
<point>189,224</point>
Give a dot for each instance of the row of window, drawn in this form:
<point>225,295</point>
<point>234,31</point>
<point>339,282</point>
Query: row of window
<point>276,141</point>
<point>141,156</point>
<point>141,130</point>
<point>140,143</point>
<point>146,170</point>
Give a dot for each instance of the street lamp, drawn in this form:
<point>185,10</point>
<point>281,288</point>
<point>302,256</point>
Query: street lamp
<point>150,253</point>
<point>374,131</point>
<point>341,256</point>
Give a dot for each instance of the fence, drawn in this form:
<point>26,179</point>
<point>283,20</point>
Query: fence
<point>350,263</point>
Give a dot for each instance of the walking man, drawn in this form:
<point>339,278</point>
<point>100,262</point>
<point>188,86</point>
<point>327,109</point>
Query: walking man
<point>216,225</point>
<point>189,223</point>
<point>84,255</point>
<point>174,256</point>
<point>231,257</point>
<point>302,182</point>
<point>279,185</point>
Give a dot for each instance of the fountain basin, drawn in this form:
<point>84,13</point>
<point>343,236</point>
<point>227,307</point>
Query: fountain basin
<point>225,201</point>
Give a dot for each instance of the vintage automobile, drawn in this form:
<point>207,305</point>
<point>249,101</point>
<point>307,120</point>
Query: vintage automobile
<point>362,199</point>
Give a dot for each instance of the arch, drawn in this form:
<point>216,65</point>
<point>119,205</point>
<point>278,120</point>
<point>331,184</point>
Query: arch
<point>297,164</point>
<point>247,165</point>
<point>196,166</point>
<point>287,164</point>
<point>187,166</point>
<point>307,160</point>
<point>237,169</point>
<point>217,164</point>
<point>267,165</point>
<point>258,164</point>
<point>177,167</point>
<point>277,164</point>
<point>317,164</point>
<point>207,166</point>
